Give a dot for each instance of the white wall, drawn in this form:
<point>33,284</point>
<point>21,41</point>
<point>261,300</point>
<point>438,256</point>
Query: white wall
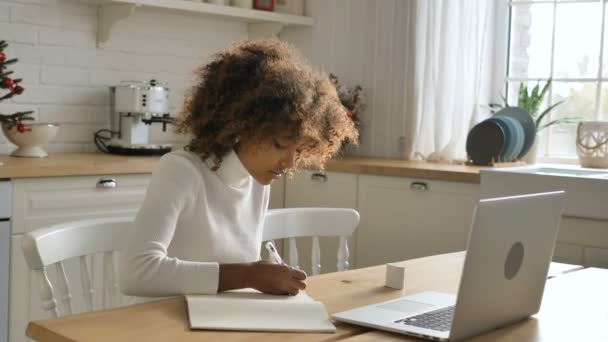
<point>67,77</point>
<point>364,42</point>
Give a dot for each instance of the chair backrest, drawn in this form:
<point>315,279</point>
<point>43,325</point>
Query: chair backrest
<point>291,223</point>
<point>52,245</point>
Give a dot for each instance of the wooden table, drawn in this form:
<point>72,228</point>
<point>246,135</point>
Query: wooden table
<point>574,309</point>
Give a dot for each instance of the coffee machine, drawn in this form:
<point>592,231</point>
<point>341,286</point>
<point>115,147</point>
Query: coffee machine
<point>134,107</point>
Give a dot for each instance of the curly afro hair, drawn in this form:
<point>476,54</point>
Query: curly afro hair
<point>260,89</point>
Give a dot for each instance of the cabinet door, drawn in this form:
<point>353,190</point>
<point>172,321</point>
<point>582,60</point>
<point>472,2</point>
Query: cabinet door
<point>568,253</point>
<point>46,201</point>
<point>19,302</point>
<point>595,257</point>
<point>404,218</point>
<point>327,190</point>
<point>321,189</point>
<point>39,199</point>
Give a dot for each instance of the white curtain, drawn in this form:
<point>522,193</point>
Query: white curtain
<point>451,76</point>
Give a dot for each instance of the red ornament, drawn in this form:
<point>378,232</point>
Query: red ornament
<point>8,83</point>
<point>264,5</point>
<point>18,90</point>
<point>2,57</point>
<point>21,128</point>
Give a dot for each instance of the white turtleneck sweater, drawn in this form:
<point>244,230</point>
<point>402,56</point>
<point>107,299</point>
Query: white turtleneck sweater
<point>192,219</point>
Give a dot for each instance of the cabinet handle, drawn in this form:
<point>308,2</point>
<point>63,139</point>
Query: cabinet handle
<point>318,177</point>
<point>419,186</point>
<point>106,183</point>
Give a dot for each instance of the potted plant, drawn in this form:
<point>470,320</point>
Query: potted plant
<point>353,101</point>
<point>11,85</point>
<point>28,138</point>
<point>531,102</point>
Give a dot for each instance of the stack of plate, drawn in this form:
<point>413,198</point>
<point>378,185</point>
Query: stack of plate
<point>505,137</point>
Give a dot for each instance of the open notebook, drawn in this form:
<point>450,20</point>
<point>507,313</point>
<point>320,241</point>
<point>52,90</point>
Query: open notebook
<point>254,311</point>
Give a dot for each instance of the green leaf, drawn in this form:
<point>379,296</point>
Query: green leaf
<point>566,120</point>
<point>524,98</point>
<point>10,61</point>
<point>545,89</point>
<point>535,90</point>
<point>542,115</point>
<point>534,100</point>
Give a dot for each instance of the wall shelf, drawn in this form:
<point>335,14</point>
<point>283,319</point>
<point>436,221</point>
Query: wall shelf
<point>260,23</point>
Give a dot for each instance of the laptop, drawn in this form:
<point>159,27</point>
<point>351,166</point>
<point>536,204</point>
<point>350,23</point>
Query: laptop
<point>503,278</point>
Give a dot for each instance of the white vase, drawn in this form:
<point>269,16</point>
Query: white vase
<point>592,144</point>
<point>31,142</point>
<point>530,157</point>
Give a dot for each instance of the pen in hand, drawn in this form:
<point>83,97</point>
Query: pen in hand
<point>272,250</point>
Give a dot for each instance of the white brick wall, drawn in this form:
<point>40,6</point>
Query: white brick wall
<point>67,77</point>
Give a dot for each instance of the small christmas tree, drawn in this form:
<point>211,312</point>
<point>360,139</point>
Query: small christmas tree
<point>12,86</point>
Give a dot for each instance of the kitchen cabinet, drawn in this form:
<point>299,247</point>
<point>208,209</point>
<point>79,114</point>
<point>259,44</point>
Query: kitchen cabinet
<point>595,257</point>
<point>321,189</point>
<point>39,202</point>
<point>589,237</point>
<point>583,231</point>
<point>568,253</point>
<point>405,218</point>
<point>401,218</point>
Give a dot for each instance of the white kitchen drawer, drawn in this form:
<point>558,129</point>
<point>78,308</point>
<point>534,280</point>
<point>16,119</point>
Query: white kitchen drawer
<point>5,199</point>
<point>596,257</point>
<point>406,218</point>
<point>327,190</point>
<point>567,253</point>
<point>42,199</point>
<point>321,189</point>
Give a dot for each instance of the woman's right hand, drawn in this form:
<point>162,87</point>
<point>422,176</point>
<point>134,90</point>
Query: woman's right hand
<point>276,279</point>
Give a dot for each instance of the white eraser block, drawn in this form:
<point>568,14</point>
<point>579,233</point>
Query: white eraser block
<point>395,276</point>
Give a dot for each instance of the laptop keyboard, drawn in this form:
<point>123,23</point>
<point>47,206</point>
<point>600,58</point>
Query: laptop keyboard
<point>439,320</point>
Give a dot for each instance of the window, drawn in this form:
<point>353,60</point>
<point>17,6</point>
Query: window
<point>563,40</point>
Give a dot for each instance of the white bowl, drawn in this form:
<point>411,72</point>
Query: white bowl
<point>30,142</point>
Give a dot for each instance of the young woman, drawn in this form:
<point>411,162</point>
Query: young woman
<point>256,113</point>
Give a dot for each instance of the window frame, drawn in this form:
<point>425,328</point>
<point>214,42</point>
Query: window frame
<point>501,79</point>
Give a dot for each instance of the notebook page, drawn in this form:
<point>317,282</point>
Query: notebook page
<point>280,313</point>
<point>257,295</point>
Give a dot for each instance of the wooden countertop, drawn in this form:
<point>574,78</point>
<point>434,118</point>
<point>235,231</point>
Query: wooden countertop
<point>74,164</point>
<point>406,168</point>
<point>86,164</point>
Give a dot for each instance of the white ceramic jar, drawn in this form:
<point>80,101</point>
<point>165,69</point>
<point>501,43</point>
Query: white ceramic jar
<point>592,144</point>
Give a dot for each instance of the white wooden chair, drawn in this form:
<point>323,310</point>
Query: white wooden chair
<point>51,246</point>
<point>291,223</point>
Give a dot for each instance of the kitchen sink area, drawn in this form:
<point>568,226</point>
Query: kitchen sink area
<point>586,189</point>
<point>562,171</point>
<point>583,232</point>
